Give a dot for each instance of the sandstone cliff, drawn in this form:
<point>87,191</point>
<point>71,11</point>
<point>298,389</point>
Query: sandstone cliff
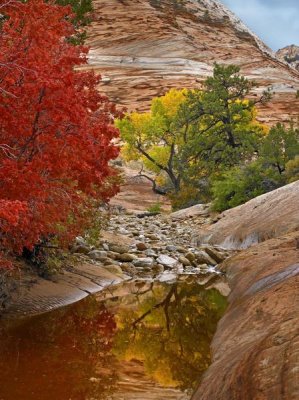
<point>290,54</point>
<point>142,48</point>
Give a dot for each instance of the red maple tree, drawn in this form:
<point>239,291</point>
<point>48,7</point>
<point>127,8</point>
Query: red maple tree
<point>56,129</point>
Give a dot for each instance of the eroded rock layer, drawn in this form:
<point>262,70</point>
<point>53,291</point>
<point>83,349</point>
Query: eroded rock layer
<point>142,48</point>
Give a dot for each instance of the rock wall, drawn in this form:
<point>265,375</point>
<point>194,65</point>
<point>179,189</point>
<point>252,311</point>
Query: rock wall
<point>143,48</point>
<point>256,347</point>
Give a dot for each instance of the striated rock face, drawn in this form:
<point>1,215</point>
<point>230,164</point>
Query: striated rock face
<point>290,54</point>
<point>267,216</point>
<point>255,349</point>
<point>143,48</point>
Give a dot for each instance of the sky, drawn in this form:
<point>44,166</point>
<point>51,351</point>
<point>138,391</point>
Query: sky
<point>276,22</point>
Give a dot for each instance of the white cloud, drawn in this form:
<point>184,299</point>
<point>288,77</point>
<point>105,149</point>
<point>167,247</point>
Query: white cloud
<point>276,22</point>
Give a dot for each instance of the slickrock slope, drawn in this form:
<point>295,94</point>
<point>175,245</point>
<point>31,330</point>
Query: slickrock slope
<point>270,215</point>
<point>289,54</point>
<point>256,346</point>
<point>142,48</point>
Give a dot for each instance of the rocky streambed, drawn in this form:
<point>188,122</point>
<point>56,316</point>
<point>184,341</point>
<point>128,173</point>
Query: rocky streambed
<point>146,246</point>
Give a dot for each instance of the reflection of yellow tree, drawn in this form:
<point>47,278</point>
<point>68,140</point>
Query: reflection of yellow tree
<point>60,355</point>
<point>170,332</point>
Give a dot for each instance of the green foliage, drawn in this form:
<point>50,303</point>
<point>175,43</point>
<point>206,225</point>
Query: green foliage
<point>97,224</point>
<point>82,11</point>
<point>279,146</point>
<point>292,169</point>
<point>241,184</point>
<point>155,208</point>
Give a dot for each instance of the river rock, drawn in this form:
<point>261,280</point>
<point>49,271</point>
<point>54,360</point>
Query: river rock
<point>97,255</point>
<point>118,248</point>
<point>167,261</point>
<point>184,261</point>
<point>217,255</point>
<point>143,262</point>
<point>190,256</point>
<point>141,246</point>
<point>126,257</point>
<point>153,237</point>
<point>203,258</point>
<point>150,253</point>
<point>81,249</point>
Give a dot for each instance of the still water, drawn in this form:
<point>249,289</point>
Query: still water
<point>139,340</point>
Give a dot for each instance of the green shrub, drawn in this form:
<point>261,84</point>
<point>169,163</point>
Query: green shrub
<point>155,208</point>
<point>241,184</point>
<point>292,170</point>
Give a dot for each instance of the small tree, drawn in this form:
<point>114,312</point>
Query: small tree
<point>189,135</point>
<point>279,146</point>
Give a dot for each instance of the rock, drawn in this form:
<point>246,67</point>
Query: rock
<point>117,248</point>
<point>171,247</point>
<point>123,231</point>
<point>97,254</point>
<point>184,261</point>
<point>81,249</point>
<point>129,269</point>
<point>79,240</point>
<point>110,262</point>
<point>114,269</point>
<point>203,258</point>
<point>190,256</point>
<point>150,253</point>
<point>215,254</point>
<point>255,348</point>
<point>181,249</point>
<point>105,246</point>
<point>194,211</point>
<point>126,257</point>
<point>141,246</point>
<point>167,276</point>
<point>153,237</point>
<point>143,262</point>
<point>157,269</point>
<point>167,261</point>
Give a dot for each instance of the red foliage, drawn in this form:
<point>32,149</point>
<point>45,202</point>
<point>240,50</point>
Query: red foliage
<point>56,130</point>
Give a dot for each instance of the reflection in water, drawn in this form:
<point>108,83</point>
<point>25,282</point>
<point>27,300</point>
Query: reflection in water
<point>136,341</point>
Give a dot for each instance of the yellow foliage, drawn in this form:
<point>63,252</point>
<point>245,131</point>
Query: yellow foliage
<point>169,104</point>
<point>129,153</point>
